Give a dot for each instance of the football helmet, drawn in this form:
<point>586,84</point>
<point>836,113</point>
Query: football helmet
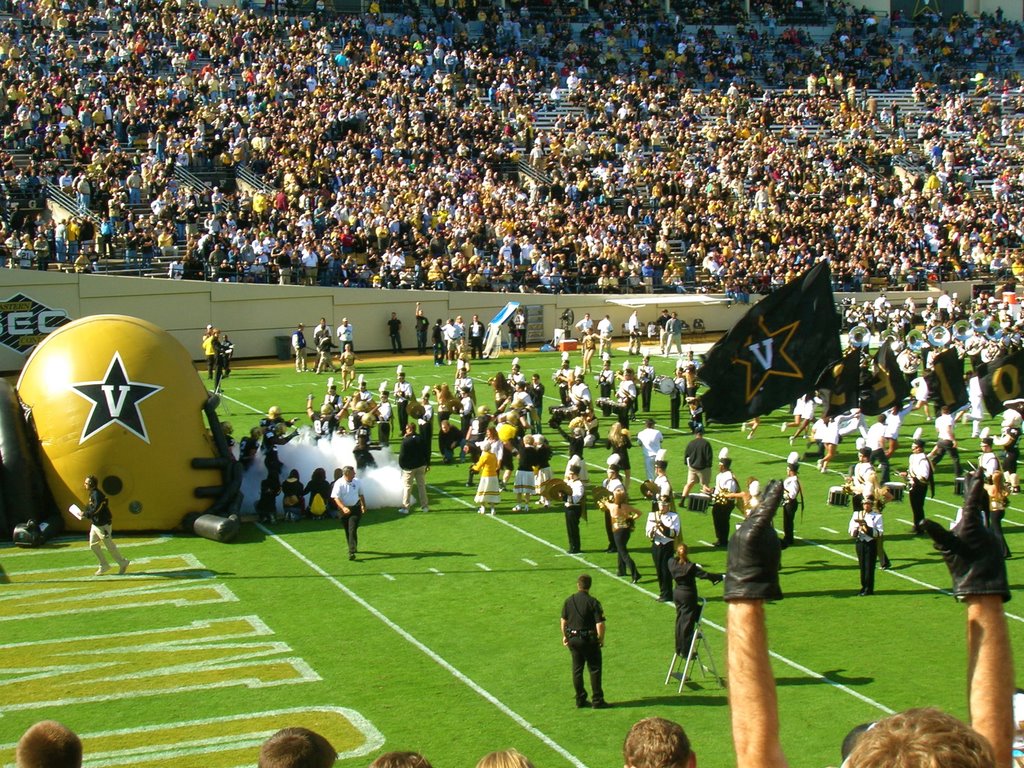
<point>119,398</point>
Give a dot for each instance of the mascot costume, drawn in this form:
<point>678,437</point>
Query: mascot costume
<point>118,398</point>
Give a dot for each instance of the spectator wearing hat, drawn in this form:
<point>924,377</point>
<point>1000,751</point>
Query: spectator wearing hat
<point>723,498</point>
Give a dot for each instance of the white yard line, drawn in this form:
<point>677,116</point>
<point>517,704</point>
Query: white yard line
<point>430,653</point>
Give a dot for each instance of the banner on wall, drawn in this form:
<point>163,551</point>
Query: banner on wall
<point>24,322</point>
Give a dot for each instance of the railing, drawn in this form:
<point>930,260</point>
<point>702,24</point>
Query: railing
<point>191,179</point>
<point>253,179</point>
<point>66,201</point>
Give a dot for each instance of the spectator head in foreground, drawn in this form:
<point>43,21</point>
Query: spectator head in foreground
<point>49,744</point>
<point>506,758</point>
<point>297,748</point>
<point>921,738</point>
<point>655,742</point>
<point>401,760</point>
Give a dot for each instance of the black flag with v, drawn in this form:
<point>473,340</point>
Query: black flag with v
<point>775,352</point>
<point>888,387</point>
<point>946,385</point>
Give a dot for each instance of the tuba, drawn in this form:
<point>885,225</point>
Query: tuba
<point>962,330</point>
<point>980,321</point>
<point>860,336</point>
<point>939,336</point>
<point>916,340</point>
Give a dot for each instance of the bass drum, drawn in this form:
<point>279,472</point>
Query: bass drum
<point>664,384</point>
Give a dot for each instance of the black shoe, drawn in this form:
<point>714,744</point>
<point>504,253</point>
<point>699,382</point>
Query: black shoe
<point>611,549</point>
<point>600,705</point>
<point>886,565</point>
<point>662,599</point>
<point>351,555</point>
<point>636,578</point>
<point>582,704</point>
<point>862,593</point>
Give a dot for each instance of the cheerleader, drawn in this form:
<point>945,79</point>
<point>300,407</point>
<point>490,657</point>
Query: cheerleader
<point>792,494</point>
<point>613,484</point>
<point>487,492</point>
<point>998,496</point>
<point>619,444</point>
<point>347,360</point>
<point>803,416</point>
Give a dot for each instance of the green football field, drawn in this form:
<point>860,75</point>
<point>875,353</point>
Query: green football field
<point>443,636</point>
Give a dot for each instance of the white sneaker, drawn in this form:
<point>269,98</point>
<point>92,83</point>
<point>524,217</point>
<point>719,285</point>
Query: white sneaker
<point>492,511</point>
<point>782,427</point>
<point>102,569</point>
<point>403,510</point>
<point>791,439</point>
<point>481,511</point>
<point>424,509</point>
<point>123,567</point>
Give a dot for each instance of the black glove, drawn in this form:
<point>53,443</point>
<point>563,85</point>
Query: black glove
<point>755,553</point>
<point>971,551</point>
<point>716,578</point>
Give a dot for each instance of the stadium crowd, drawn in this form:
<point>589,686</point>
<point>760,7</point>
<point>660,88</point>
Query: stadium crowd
<point>608,150</point>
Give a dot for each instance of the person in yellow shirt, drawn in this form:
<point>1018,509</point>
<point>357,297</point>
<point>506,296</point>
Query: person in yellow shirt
<point>488,492</point>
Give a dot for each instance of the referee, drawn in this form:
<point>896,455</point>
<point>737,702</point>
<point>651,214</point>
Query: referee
<point>583,635</point>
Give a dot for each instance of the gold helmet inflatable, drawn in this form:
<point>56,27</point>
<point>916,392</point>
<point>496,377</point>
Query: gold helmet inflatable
<point>119,398</point>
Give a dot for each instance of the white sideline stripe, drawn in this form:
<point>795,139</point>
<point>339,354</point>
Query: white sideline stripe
<point>388,576</point>
<point>434,570</point>
<point>73,541</point>
<point>828,529</point>
<point>705,543</point>
<point>430,653</point>
<point>529,562</point>
<point>482,567</point>
<point>789,662</point>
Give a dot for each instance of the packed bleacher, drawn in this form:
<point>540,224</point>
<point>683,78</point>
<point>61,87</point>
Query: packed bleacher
<point>608,149</point>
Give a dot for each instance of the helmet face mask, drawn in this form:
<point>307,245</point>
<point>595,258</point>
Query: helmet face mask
<point>119,398</point>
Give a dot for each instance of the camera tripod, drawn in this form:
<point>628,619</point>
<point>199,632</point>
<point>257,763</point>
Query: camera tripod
<point>699,653</point>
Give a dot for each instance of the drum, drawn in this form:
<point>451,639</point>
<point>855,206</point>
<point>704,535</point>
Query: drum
<point>608,402</point>
<point>895,490</point>
<point>959,486</point>
<point>837,497</point>
<point>664,384</point>
<point>698,502</point>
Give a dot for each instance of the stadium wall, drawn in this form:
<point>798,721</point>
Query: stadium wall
<point>253,315</point>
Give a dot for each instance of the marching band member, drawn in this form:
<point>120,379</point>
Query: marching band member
<point>1008,438</point>
<point>605,382</point>
<point>921,477</point>
<point>573,505</point>
<point>645,379</point>
<point>522,402</point>
<point>516,375</point>
<point>626,394</point>
<point>946,442</point>
<point>792,494</point>
<point>661,478</point>
<point>675,399</point>
<point>635,333</point>
<point>463,381</point>
<point>649,439</point>
<point>865,487</point>
<point>579,392</point>
<point>866,528</point>
<point>384,412</point>
<point>723,499</point>
<point>402,394</point>
<point>875,442</point>
<point>619,444</point>
<point>563,378</point>
<point>425,423</point>
<point>973,411</point>
<point>988,462</point>
<point>662,529</point>
<point>613,484</point>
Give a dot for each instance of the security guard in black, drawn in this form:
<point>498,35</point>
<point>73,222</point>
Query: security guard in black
<point>583,634</point>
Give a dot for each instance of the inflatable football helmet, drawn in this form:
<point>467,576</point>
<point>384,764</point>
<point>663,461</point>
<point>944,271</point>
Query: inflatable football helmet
<point>119,398</point>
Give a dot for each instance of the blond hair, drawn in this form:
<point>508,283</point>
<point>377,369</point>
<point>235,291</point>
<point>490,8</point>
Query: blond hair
<point>506,758</point>
<point>921,738</point>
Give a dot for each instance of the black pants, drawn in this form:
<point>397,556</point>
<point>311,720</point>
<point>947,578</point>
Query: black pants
<point>995,522</point>
<point>867,557</point>
<point>674,411</point>
<point>661,554</point>
<point>878,457</point>
<point>421,342</point>
<point>396,343</point>
<point>608,530</point>
<point>586,651</point>
<point>572,526</point>
<point>476,347</point>
<point>688,612</point>
<point>788,518</point>
<point>403,415</point>
<point>645,396</point>
<point>351,523</point>
<point>438,353</point>
<point>720,514</point>
<point>606,392</point>
<point>941,449</point>
<point>916,494</point>
<point>625,562</point>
